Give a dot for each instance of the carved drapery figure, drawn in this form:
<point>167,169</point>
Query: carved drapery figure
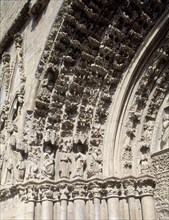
<point>32,170</point>
<point>48,170</point>
<point>9,171</point>
<point>2,151</point>
<point>145,159</point>
<point>165,129</point>
<point>20,169</point>
<point>95,163</point>
<point>80,162</point>
<point>65,161</point>
<point>144,163</point>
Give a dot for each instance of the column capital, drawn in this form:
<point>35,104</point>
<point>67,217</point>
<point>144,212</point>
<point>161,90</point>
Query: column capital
<point>64,192</point>
<point>146,186</point>
<point>29,193</point>
<point>95,189</point>
<point>129,187</point>
<point>79,191</point>
<point>46,192</point>
<point>113,188</point>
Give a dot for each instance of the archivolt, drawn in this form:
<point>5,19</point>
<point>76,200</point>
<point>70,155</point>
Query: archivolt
<point>88,50</point>
<point>137,101</point>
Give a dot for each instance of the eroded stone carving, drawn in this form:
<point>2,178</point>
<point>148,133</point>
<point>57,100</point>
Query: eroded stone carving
<point>65,161</point>
<point>80,160</point>
<point>11,156</point>
<point>94,163</point>
<point>127,160</point>
<point>145,159</point>
<point>48,169</point>
<point>32,171</point>
<point>21,167</point>
<point>165,129</point>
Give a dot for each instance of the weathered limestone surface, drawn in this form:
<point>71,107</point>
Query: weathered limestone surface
<point>84,116</point>
<point>9,11</point>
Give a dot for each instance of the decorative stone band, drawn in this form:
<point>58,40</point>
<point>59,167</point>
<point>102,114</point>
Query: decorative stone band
<point>81,189</point>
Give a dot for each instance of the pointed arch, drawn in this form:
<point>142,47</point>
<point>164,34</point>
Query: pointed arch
<point>120,110</point>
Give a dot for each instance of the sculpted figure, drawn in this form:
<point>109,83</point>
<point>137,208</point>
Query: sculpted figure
<point>32,170</point>
<point>80,162</point>
<point>21,169</point>
<point>95,163</point>
<point>144,163</point>
<point>9,173</point>
<point>2,152</point>
<point>65,161</point>
<point>48,170</point>
<point>2,145</point>
<point>165,137</point>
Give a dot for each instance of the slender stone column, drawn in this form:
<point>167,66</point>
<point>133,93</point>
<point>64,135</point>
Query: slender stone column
<point>96,208</point>
<point>113,199</point>
<point>79,195</point>
<point>124,210</point>
<point>47,203</point>
<point>29,195</point>
<point>38,210</point>
<point>96,194</point>
<point>146,188</point>
<point>30,210</point>
<point>47,210</point>
<point>130,190</point>
<point>64,204</point>
<point>63,209</point>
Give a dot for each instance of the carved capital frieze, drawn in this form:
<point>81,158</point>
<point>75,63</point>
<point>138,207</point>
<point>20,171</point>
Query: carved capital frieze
<point>36,190</point>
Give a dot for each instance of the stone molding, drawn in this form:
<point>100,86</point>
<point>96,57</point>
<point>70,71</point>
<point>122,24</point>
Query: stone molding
<point>80,189</point>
